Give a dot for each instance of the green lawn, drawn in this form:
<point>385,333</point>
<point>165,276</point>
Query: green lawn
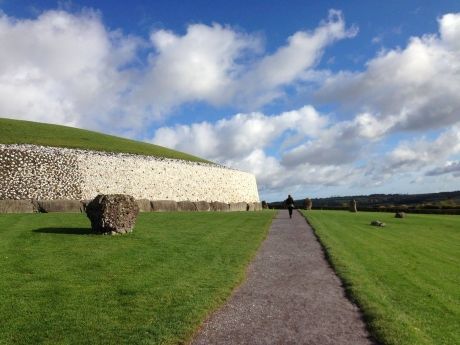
<point>405,276</point>
<point>62,285</point>
<point>28,132</point>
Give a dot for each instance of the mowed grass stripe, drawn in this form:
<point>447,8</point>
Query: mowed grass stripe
<point>36,133</point>
<point>405,276</point>
<point>62,285</point>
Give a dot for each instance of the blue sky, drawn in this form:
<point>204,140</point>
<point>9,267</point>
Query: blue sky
<point>314,98</point>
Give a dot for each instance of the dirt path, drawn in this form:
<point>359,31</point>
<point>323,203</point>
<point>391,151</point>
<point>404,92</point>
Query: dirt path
<point>291,296</point>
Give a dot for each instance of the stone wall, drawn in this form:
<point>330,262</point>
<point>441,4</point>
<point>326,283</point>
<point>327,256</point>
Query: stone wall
<point>46,173</point>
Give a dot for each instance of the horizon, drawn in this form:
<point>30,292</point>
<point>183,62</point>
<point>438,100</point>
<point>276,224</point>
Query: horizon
<point>325,99</point>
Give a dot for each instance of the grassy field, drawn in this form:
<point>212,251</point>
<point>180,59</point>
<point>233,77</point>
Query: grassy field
<point>27,132</point>
<point>405,276</point>
<point>62,285</point>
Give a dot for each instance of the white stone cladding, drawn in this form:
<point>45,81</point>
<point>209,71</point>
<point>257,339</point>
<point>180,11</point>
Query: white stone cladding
<point>60,173</point>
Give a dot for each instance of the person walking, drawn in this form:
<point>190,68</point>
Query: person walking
<point>290,204</point>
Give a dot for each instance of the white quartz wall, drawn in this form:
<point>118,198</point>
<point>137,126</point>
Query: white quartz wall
<point>143,177</point>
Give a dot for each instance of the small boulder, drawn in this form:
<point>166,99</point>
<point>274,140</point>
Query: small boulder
<point>112,213</point>
<point>400,215</point>
<point>377,223</point>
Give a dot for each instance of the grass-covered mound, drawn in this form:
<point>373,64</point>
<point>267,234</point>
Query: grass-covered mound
<point>27,132</point>
<point>405,276</point>
<point>62,285</point>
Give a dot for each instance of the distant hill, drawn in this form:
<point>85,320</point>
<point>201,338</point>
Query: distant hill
<point>28,132</point>
<point>443,200</point>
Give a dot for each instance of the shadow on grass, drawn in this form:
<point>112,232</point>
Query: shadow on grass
<point>65,231</point>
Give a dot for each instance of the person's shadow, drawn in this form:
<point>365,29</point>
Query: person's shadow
<point>65,231</point>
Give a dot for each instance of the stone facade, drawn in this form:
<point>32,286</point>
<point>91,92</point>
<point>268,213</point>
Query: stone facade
<point>47,173</point>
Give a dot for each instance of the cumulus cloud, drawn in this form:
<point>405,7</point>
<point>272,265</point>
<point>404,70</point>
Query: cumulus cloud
<point>415,88</point>
<point>242,140</point>
<point>419,157</point>
<point>69,68</point>
<point>238,136</point>
<point>62,68</point>
<point>449,168</point>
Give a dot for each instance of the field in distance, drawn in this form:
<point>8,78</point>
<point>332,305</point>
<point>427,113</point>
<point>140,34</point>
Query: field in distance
<point>405,276</point>
<point>62,285</point>
<point>28,132</point>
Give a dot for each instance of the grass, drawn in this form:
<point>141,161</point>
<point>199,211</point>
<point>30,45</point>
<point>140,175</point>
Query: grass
<point>62,285</point>
<point>405,276</point>
<point>27,132</point>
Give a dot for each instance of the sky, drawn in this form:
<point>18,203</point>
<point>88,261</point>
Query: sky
<point>315,98</point>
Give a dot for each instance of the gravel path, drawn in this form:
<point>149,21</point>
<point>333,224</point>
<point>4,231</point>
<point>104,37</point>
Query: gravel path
<point>290,296</point>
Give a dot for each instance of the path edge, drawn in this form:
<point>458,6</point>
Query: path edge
<point>210,312</point>
<point>346,286</point>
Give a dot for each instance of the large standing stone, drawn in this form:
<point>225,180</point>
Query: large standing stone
<point>352,205</point>
<point>308,204</point>
<point>112,213</point>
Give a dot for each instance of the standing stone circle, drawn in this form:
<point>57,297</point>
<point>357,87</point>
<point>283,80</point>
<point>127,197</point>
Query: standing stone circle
<point>308,204</point>
<point>112,213</point>
<point>352,206</point>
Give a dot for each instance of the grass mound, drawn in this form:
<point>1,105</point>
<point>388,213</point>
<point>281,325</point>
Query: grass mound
<point>27,132</point>
<point>62,285</point>
<point>405,276</point>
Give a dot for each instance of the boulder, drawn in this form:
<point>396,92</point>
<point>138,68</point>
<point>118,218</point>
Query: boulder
<point>377,223</point>
<point>163,205</point>
<point>308,204</point>
<point>352,206</point>
<point>112,213</point>
<point>186,206</point>
<point>219,206</point>
<point>17,206</point>
<point>400,215</point>
<point>237,206</point>
<point>47,206</point>
<point>202,206</point>
<point>144,205</point>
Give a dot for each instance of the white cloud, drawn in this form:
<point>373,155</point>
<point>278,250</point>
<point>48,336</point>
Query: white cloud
<point>61,67</point>
<point>242,140</point>
<point>70,69</point>
<point>451,167</point>
<point>416,157</point>
<point>239,135</point>
<point>415,88</point>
